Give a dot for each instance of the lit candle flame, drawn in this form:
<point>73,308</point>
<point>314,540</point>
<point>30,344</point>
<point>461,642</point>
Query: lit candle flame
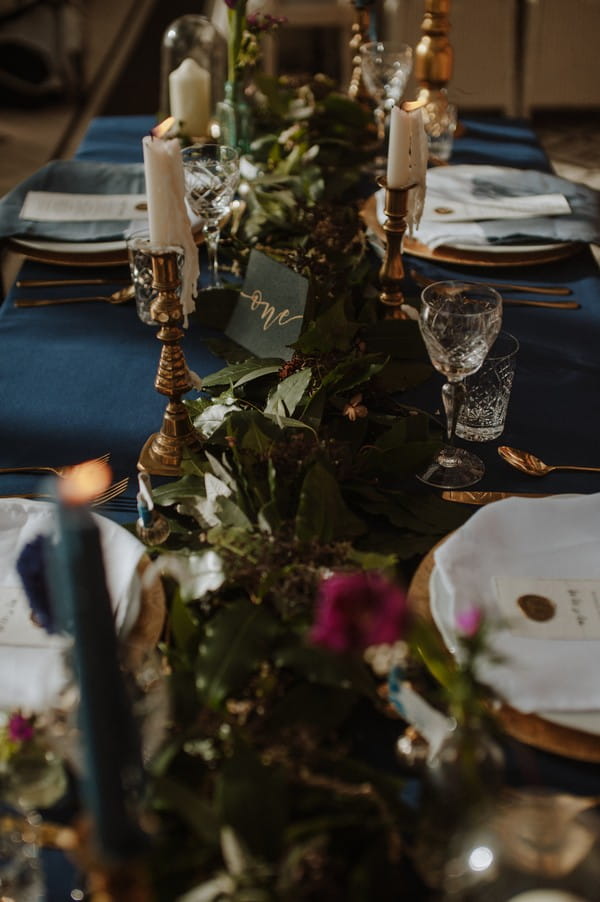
<point>163,128</point>
<point>84,482</point>
<point>409,105</point>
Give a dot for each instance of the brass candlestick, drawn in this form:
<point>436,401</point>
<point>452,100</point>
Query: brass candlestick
<point>391,273</point>
<point>433,59</point>
<point>163,451</point>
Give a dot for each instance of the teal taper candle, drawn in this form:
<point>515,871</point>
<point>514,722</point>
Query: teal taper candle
<point>113,770</point>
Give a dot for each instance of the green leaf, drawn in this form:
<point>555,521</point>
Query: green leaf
<point>322,513</point>
<point>329,332</point>
<point>233,375</point>
<point>184,629</point>
<point>319,665</point>
<point>235,641</point>
<point>252,799</point>
<point>290,392</point>
<point>190,807</point>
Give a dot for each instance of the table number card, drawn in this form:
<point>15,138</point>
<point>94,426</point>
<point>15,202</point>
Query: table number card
<point>550,608</point>
<point>269,312</point>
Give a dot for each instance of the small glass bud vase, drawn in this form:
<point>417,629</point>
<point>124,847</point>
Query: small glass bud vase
<point>35,778</point>
<point>193,37</point>
<point>234,116</point>
<point>461,785</point>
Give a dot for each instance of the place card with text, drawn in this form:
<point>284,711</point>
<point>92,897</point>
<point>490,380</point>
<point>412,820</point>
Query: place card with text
<point>550,608</point>
<point>269,312</point>
<point>53,206</point>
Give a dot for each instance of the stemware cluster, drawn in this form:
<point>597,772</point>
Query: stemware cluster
<point>459,323</point>
<point>212,175</point>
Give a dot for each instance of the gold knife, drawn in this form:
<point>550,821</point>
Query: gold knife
<point>423,281</point>
<point>480,498</point>
<point>48,283</point>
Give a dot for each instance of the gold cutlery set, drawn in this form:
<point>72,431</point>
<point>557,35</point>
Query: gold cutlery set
<point>113,491</point>
<point>521,460</point>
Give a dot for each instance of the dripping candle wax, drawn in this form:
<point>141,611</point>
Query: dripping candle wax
<point>168,220</point>
<point>113,771</point>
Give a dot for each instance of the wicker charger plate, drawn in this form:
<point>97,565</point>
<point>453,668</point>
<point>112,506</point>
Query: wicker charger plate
<point>530,729</point>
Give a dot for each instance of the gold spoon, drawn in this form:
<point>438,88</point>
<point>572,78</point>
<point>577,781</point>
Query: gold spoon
<point>532,465</point>
<point>117,297</point>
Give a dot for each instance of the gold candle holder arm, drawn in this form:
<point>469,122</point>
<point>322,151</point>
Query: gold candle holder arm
<point>163,451</point>
<point>391,273</point>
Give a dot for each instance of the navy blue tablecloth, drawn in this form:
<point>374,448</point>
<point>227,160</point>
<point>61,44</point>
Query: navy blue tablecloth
<point>77,381</point>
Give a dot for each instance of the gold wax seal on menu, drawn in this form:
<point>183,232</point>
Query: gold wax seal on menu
<point>537,607</point>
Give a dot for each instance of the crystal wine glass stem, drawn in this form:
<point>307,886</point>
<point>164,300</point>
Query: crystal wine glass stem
<point>212,234</point>
<point>453,396</point>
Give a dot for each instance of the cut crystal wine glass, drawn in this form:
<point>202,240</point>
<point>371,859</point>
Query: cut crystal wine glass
<point>385,68</point>
<point>212,174</point>
<point>459,323</point>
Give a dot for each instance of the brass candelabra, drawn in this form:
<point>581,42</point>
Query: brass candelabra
<point>434,58</point>
<point>163,451</point>
<point>391,273</point>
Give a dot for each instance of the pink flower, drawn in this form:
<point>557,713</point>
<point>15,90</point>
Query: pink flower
<point>19,728</point>
<point>356,610</point>
<point>469,621</point>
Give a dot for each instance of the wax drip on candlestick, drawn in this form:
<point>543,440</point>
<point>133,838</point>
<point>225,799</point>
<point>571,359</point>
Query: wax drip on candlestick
<point>113,776</point>
<point>168,220</point>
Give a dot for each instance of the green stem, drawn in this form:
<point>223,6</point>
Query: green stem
<point>237,25</point>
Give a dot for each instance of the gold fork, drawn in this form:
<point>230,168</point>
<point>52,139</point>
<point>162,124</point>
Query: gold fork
<point>113,491</point>
<point>58,471</point>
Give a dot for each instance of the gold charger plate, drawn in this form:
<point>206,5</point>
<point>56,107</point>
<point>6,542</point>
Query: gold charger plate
<point>65,253</point>
<point>507,256</point>
<point>530,729</point>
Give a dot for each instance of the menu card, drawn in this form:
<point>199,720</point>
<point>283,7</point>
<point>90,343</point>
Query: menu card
<point>550,608</point>
<point>55,206</point>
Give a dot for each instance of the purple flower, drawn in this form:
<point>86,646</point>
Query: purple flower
<point>231,3</point>
<point>19,728</point>
<point>356,610</point>
<point>469,621</point>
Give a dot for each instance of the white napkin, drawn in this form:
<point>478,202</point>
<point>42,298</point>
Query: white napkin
<point>546,538</point>
<point>32,672</point>
<point>500,205</point>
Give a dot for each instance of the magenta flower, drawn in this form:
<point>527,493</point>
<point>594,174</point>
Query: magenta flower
<point>469,621</point>
<point>231,3</point>
<point>19,728</point>
<point>356,610</point>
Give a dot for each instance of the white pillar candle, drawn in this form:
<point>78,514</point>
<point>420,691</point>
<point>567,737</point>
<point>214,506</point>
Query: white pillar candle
<point>189,97</point>
<point>168,221</point>
<point>398,149</point>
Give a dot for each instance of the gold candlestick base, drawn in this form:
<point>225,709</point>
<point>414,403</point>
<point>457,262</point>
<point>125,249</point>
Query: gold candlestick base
<point>163,451</point>
<point>391,273</point>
